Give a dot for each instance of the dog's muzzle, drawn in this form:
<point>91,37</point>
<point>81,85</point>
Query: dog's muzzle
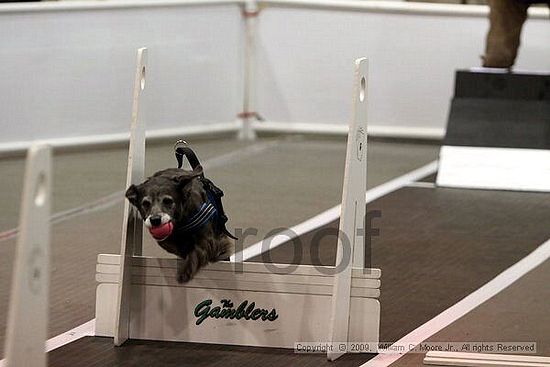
<point>160,226</point>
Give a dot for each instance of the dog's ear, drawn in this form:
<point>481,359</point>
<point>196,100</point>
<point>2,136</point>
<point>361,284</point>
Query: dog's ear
<point>132,194</point>
<point>185,176</point>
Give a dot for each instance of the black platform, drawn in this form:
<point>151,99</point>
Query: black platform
<point>500,110</point>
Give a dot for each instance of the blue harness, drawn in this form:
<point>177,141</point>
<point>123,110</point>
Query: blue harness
<point>206,213</point>
<point>212,209</point>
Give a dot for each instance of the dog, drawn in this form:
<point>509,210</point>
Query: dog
<point>170,202</point>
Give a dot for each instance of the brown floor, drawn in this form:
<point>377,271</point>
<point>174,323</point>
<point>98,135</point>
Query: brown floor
<point>435,245</point>
<point>275,181</point>
<point>424,273</point>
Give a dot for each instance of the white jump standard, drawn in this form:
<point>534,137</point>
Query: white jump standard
<point>139,297</point>
<point>29,301</point>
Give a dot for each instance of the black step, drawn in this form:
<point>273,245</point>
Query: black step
<point>499,123</point>
<point>502,85</point>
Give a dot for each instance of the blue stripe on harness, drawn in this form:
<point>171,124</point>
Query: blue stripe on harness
<point>206,212</point>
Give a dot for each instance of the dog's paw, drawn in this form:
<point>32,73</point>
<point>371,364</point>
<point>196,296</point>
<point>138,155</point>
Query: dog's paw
<point>184,277</point>
<point>223,256</point>
<point>225,250</point>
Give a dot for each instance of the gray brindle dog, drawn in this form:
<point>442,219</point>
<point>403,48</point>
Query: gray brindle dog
<point>181,212</point>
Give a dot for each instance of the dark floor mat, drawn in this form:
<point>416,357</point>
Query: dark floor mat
<point>93,351</point>
<point>517,314</point>
<point>436,246</point>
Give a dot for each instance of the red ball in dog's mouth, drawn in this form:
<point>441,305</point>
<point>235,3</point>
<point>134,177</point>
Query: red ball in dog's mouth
<point>162,232</point>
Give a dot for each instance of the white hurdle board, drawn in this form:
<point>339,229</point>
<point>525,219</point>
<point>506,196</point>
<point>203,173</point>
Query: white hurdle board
<point>132,226</point>
<point>484,360</point>
<point>254,304</point>
<point>28,311</point>
<point>301,301</point>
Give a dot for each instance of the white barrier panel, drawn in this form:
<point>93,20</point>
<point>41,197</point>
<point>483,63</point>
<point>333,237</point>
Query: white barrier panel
<point>65,68</point>
<point>414,50</point>
<point>29,307</point>
<point>52,85</point>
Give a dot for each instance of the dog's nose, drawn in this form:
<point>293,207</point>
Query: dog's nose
<point>155,220</point>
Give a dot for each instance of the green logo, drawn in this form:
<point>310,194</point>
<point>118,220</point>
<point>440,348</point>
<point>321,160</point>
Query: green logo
<point>246,310</point>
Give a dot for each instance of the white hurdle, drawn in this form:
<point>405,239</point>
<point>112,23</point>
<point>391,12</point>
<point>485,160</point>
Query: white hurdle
<point>27,328</point>
<point>253,304</point>
<point>132,225</point>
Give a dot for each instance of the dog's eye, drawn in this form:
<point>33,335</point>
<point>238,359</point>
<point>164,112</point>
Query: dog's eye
<point>146,204</point>
<point>167,201</point>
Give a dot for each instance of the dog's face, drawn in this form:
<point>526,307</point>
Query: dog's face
<point>165,199</point>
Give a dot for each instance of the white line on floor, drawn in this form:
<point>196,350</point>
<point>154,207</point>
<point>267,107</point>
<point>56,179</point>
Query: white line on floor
<point>86,329</point>
<point>333,213</point>
<point>467,304</point>
<point>116,197</point>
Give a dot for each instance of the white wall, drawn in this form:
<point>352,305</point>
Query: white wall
<point>67,69</point>
<point>306,55</point>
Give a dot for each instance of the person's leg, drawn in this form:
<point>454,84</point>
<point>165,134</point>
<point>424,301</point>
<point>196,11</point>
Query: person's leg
<point>506,20</point>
